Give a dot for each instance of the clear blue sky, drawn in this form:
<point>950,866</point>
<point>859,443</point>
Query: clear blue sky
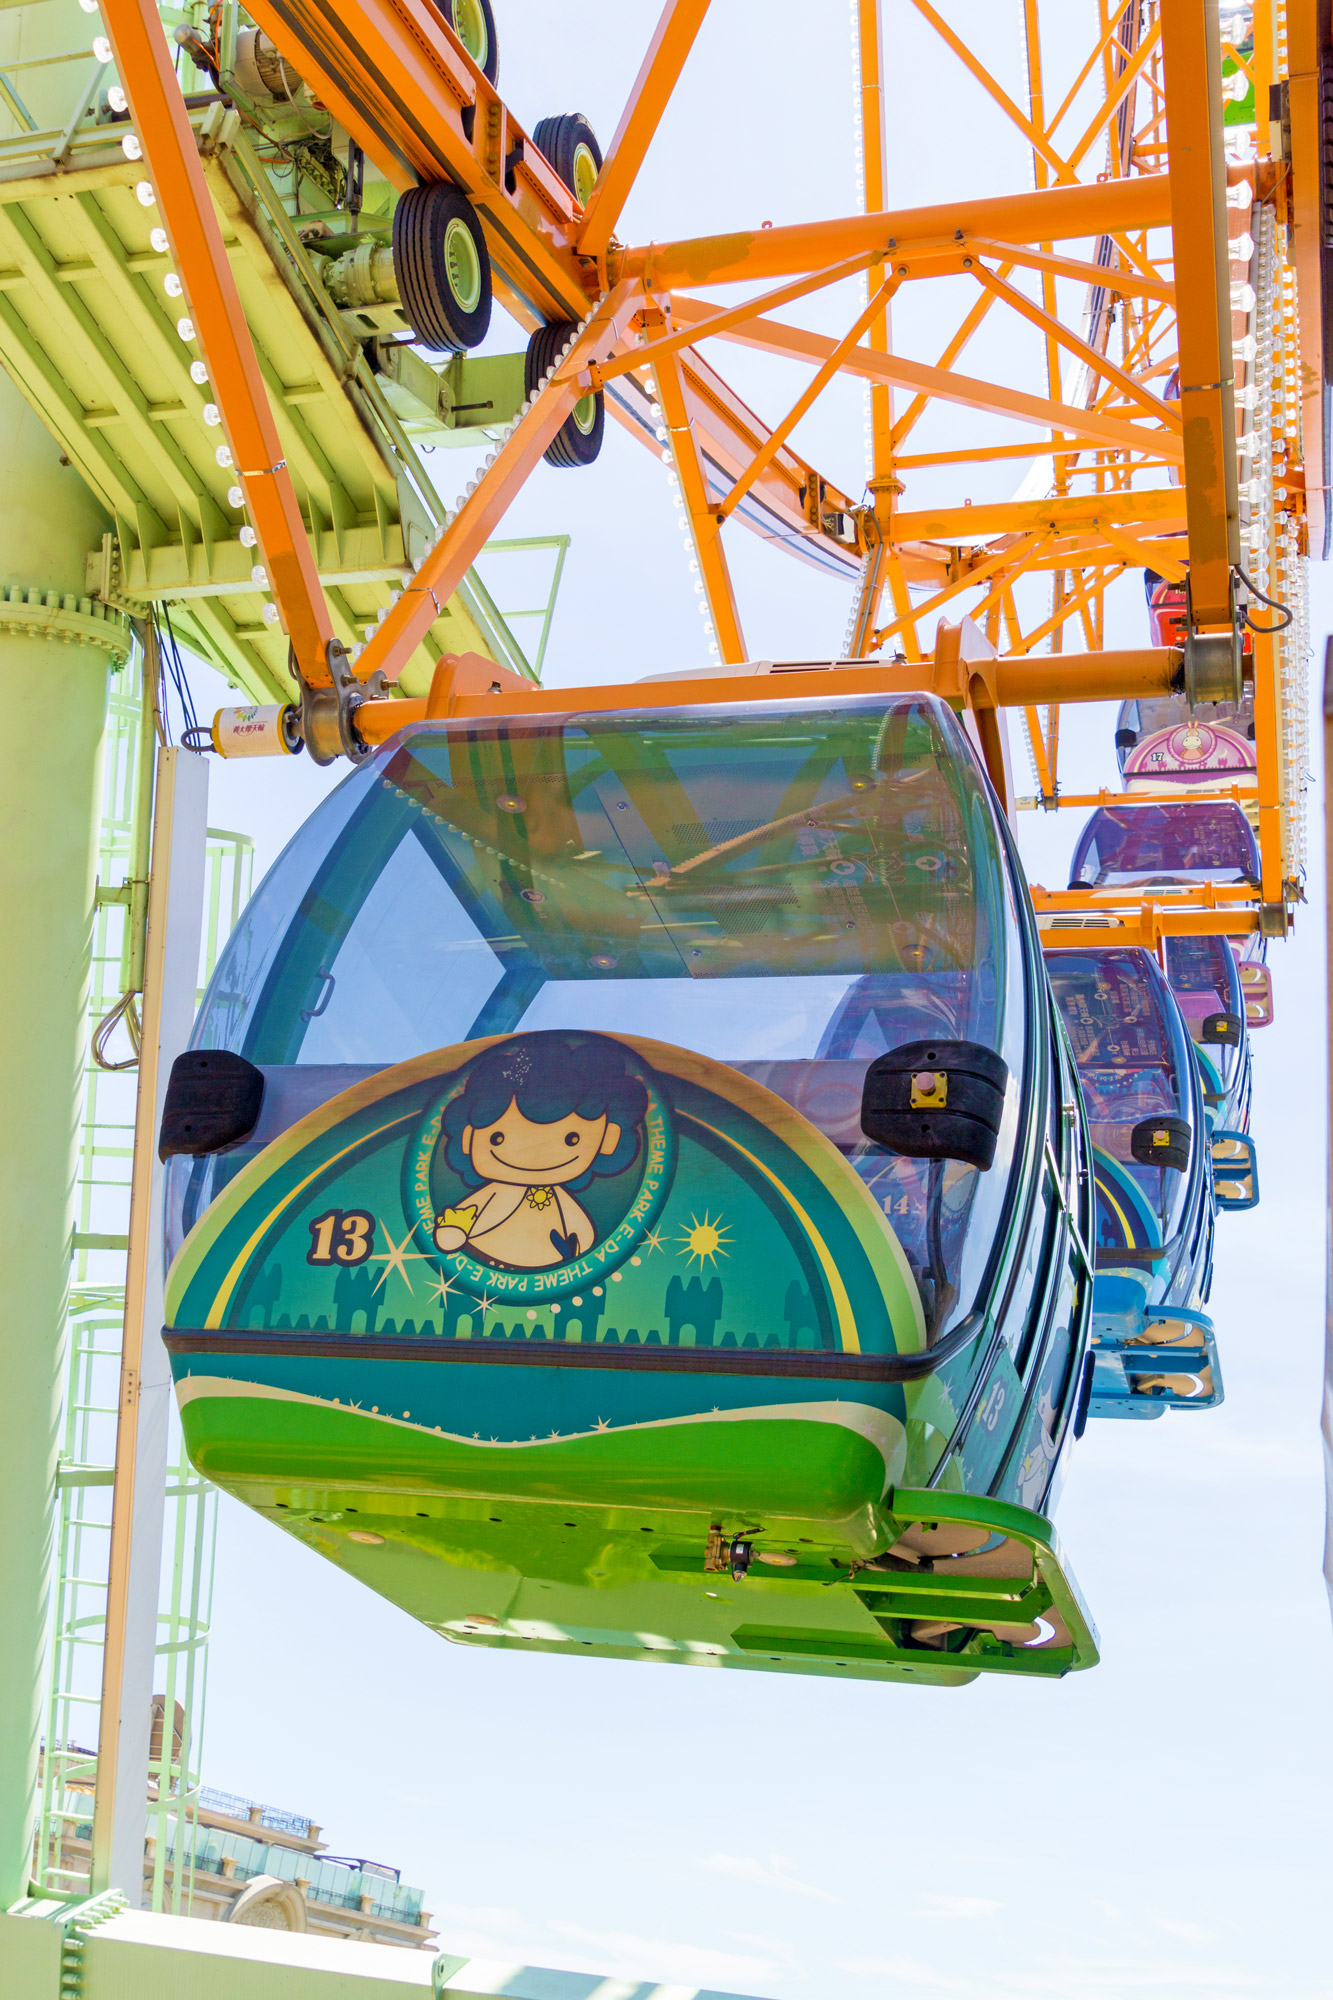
<point>1155,1828</point>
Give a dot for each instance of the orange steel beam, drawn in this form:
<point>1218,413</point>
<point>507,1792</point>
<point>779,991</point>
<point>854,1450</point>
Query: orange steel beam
<point>1052,215</point>
<point>1231,794</point>
<point>884,485</point>
<point>703,516</point>
<point>143,60</point>
<point>1307,44</point>
<point>871,54</point>
<point>674,37</point>
<point>1203,896</point>
<point>983,454</point>
<point>673,343</point>
<point>1267,706</point>
<point>448,562</point>
<point>1146,927</point>
<point>1011,683</point>
<point>1193,69</point>
<point>1100,676</point>
<point>824,375</point>
<point>1098,363</point>
<point>1129,284</point>
<point>1162,507</point>
<point>778,338</point>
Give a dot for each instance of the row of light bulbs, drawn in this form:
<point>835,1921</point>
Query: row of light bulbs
<point>146,196</point>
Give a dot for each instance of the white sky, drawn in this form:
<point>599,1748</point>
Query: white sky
<point>1157,1827</point>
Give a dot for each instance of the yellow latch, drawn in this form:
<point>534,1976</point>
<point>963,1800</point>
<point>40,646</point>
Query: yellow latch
<point>930,1090</point>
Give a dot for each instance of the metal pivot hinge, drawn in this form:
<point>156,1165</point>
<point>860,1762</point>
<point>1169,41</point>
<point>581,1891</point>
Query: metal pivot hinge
<point>1214,661</point>
<point>328,728</point>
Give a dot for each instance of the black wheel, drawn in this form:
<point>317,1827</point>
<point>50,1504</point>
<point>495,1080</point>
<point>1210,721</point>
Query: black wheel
<point>570,144</point>
<point>474,24</point>
<point>579,438</point>
<point>442,267</point>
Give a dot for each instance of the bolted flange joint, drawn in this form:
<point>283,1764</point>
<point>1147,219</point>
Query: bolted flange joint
<point>328,724</point>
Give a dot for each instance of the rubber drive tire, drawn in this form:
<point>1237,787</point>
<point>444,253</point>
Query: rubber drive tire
<point>579,438</point>
<point>473,21</point>
<point>570,144</point>
<point>442,267</point>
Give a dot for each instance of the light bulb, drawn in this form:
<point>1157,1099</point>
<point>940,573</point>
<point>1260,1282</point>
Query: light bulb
<point>185,328</point>
<point>117,99</point>
<point>248,537</point>
<point>259,575</point>
<point>270,614</point>
<point>158,239</point>
<point>199,372</point>
<point>88,6</point>
<point>130,147</point>
<point>172,285</point>
<point>212,415</point>
<point>101,48</point>
<point>235,496</point>
<point>224,457</point>
<point>143,194</point>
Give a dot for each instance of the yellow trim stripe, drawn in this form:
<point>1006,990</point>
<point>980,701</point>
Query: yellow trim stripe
<point>851,1339</point>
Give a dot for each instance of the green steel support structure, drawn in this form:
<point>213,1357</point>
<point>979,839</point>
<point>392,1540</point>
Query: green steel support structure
<point>54,674</point>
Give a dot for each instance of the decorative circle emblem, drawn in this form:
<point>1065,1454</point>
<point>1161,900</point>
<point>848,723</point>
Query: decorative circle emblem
<point>595,1220</point>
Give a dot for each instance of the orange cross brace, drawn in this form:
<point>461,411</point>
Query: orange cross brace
<point>1193,69</point>
<point>444,567</point>
<point>776,439</point>
<point>674,37</point>
<point>1071,342</point>
<point>703,519</point>
<point>779,338</point>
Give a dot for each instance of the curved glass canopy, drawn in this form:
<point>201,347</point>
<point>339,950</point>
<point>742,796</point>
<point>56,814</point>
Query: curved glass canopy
<point>1134,1064</point>
<point>1165,845</point>
<point>790,889</point>
<point>1205,979</point>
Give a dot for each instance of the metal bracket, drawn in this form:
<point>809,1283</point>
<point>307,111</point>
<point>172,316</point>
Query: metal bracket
<point>328,729</point>
<point>1214,660</point>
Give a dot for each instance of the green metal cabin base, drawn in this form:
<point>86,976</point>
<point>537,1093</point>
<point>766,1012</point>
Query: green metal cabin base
<point>927,1587</point>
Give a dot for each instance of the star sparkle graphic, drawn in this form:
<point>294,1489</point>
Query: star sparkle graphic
<point>395,1258</point>
<point>653,1240</point>
<point>705,1239</point>
<point>444,1285</point>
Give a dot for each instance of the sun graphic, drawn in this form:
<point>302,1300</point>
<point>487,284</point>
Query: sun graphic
<point>704,1239</point>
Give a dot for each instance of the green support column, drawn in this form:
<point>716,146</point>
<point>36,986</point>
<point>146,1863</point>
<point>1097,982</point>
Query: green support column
<point>53,690</point>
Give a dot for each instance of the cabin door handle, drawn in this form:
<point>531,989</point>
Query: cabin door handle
<point>326,994</point>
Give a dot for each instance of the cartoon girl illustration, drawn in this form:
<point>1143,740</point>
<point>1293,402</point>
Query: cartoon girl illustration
<point>538,1117</point>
